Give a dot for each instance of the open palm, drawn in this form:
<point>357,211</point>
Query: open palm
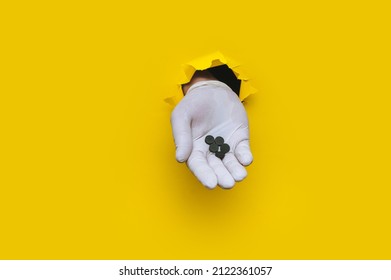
<point>212,108</point>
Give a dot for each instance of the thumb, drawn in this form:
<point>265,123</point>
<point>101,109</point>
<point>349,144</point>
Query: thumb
<point>182,135</point>
<point>243,153</point>
<point>242,146</point>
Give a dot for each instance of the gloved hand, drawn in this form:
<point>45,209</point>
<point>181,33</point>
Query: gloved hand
<point>212,108</point>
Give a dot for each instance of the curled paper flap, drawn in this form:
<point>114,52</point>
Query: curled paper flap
<point>208,61</point>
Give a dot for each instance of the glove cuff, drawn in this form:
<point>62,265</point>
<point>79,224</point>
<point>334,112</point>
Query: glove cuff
<point>208,83</point>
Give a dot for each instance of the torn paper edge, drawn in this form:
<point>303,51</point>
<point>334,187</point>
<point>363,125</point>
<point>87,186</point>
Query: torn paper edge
<point>209,61</point>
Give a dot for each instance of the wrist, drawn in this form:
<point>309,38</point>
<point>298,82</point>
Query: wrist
<point>198,76</point>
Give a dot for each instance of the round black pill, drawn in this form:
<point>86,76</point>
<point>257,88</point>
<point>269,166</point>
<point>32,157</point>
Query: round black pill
<point>219,140</point>
<point>213,148</point>
<point>209,139</point>
<point>225,148</point>
<point>220,155</point>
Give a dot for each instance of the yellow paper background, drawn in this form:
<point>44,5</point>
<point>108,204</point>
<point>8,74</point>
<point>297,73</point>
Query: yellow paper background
<point>87,157</point>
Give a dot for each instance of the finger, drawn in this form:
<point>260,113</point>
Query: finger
<point>237,170</point>
<point>243,153</point>
<point>224,178</point>
<point>199,166</point>
<point>182,135</point>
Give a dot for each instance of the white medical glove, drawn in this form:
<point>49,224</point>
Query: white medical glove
<point>212,108</point>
